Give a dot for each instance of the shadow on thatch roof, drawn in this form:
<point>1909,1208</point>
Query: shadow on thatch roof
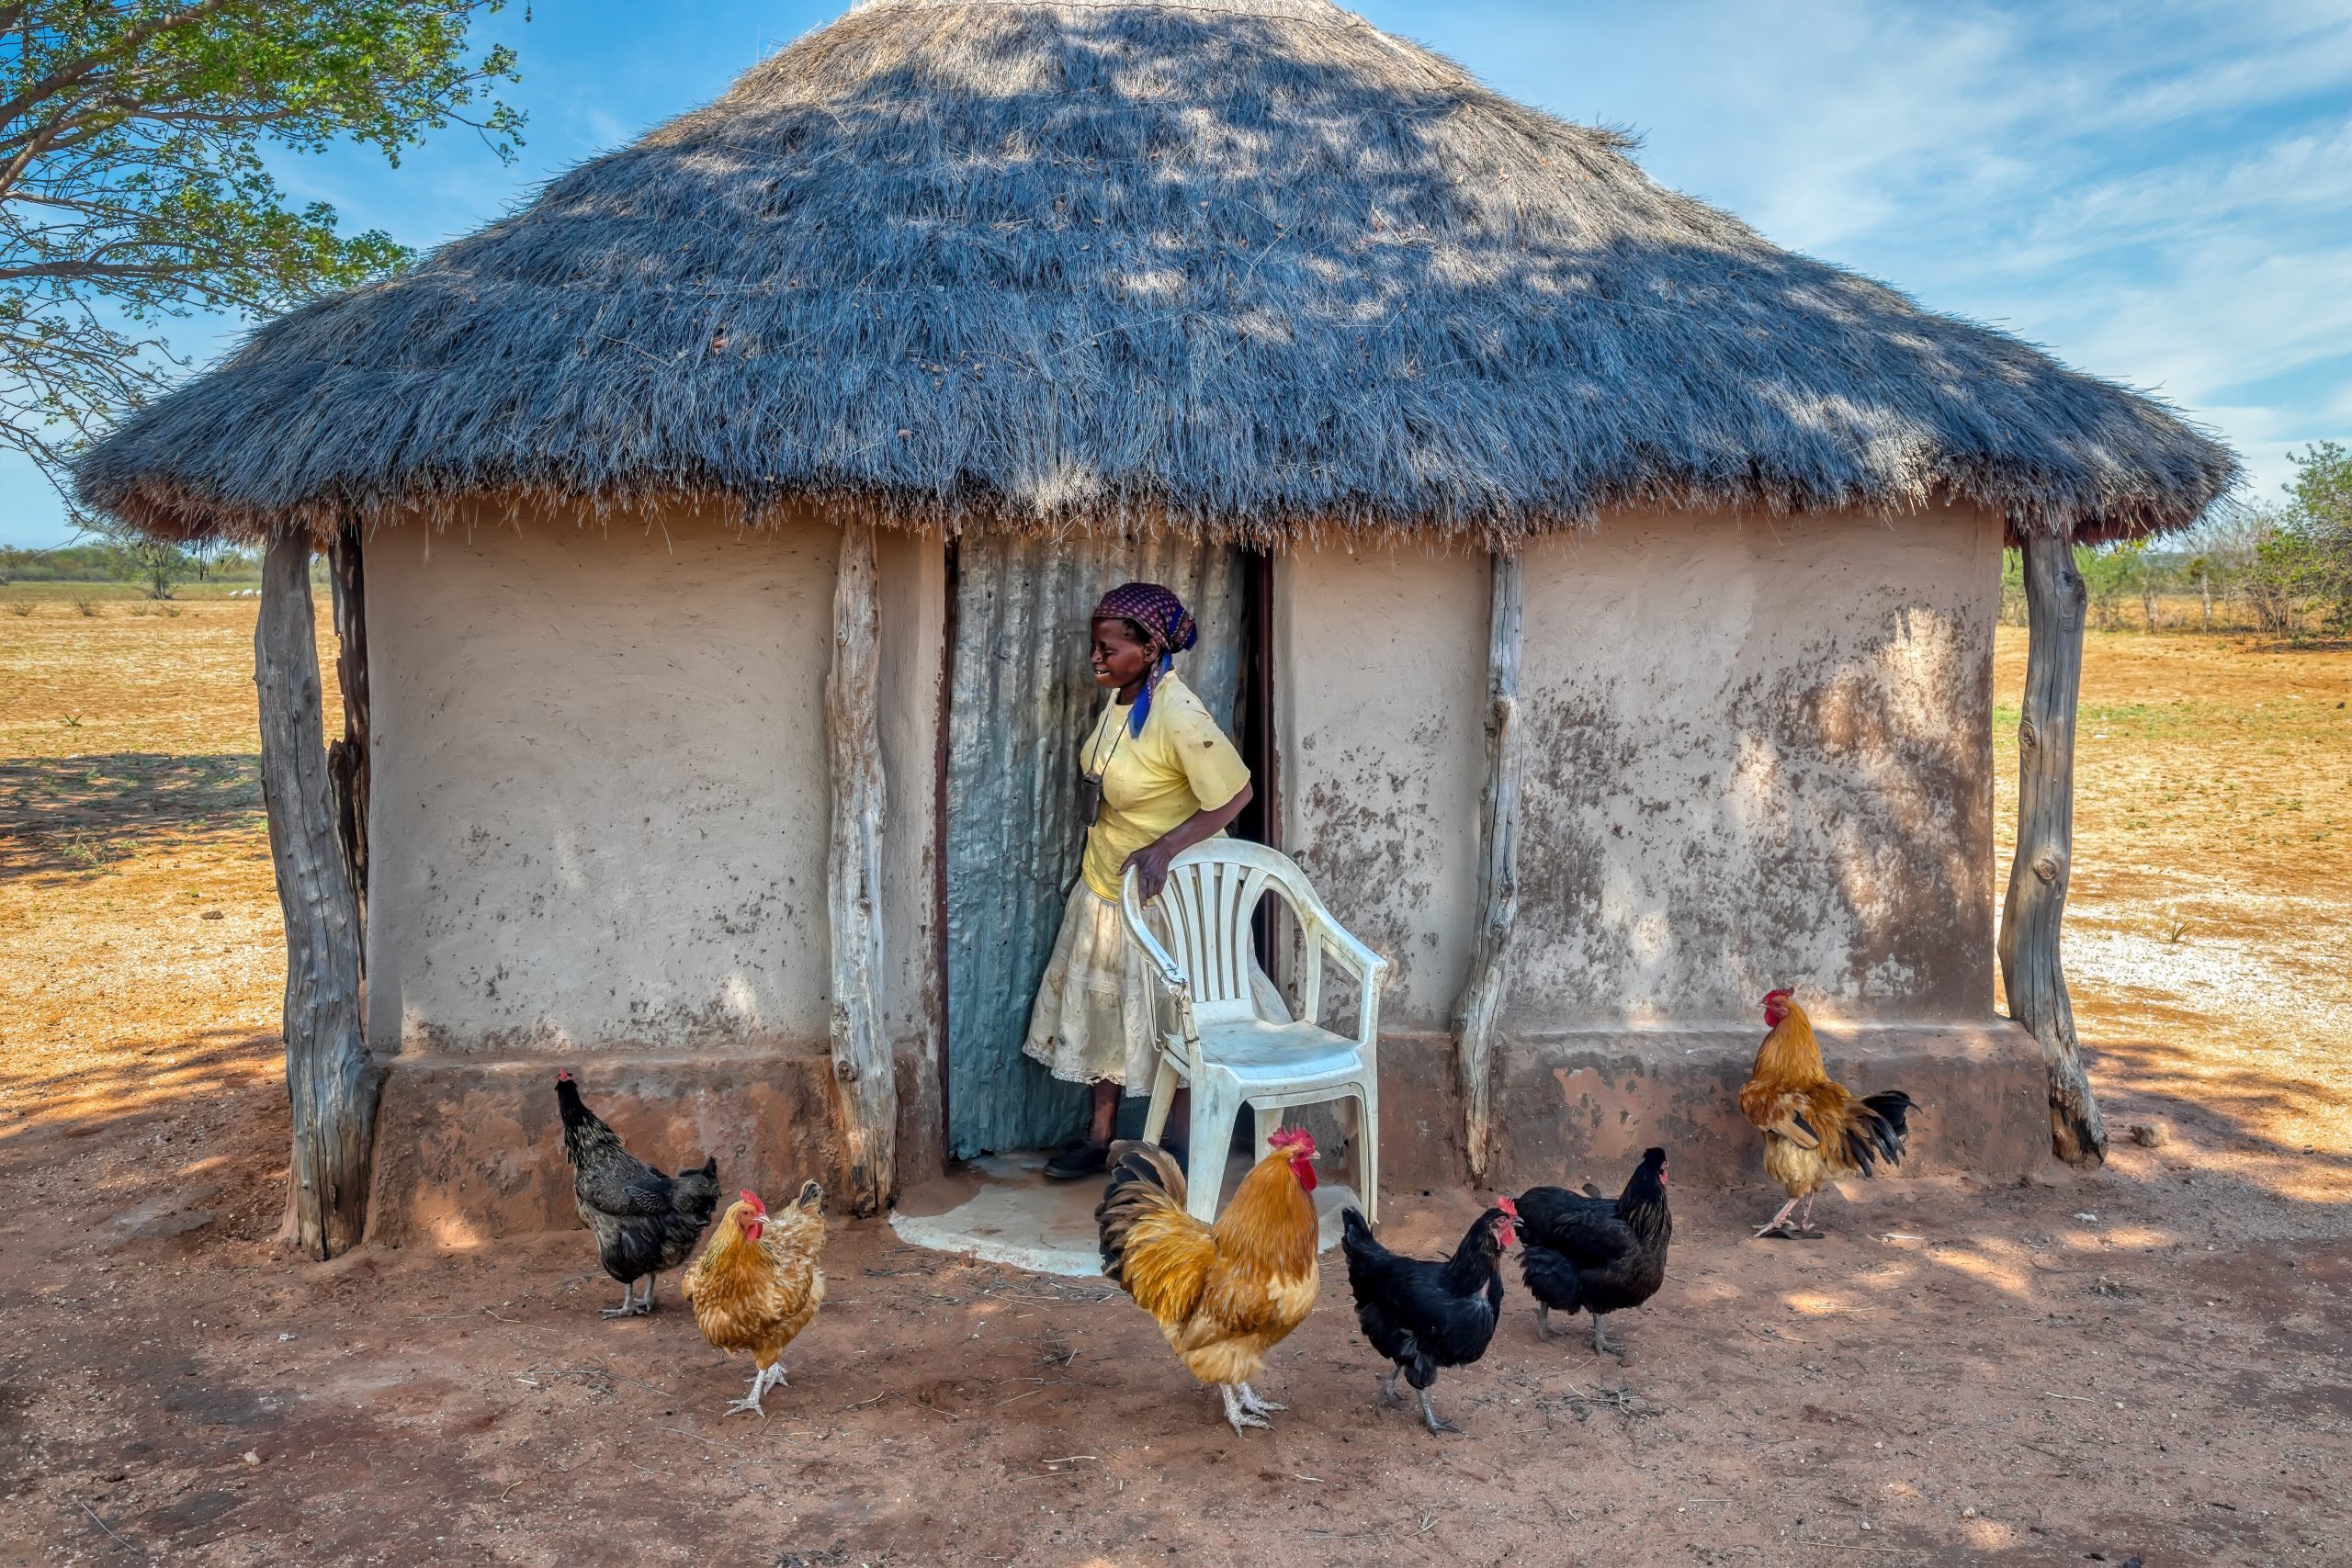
<point>1246,267</point>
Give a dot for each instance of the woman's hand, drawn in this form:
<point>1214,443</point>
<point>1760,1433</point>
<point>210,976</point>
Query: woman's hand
<point>1150,866</point>
<point>1150,863</point>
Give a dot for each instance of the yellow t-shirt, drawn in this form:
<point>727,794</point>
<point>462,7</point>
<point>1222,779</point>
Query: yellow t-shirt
<point>1154,783</point>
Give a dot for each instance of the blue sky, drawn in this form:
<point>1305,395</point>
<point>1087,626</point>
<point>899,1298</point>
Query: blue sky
<point>2157,190</point>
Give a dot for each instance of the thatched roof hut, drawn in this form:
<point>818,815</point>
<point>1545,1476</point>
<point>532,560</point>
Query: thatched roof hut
<point>1240,293</point>
<point>1240,266</point>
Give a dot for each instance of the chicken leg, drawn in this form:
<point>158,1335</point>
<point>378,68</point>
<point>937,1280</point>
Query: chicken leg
<point>1388,1395</point>
<point>1432,1419</point>
<point>1543,1321</point>
<point>630,1306</point>
<point>763,1379</point>
<point>1779,1223</point>
<point>1601,1342</point>
<point>1237,1415</point>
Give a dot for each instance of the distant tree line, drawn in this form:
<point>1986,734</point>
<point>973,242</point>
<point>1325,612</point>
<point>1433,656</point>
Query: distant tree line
<point>154,566</point>
<point>2283,569</point>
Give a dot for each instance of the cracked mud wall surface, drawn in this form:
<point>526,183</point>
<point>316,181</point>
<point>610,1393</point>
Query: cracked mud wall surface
<point>1380,691</point>
<point>600,803</point>
<point>1759,754</point>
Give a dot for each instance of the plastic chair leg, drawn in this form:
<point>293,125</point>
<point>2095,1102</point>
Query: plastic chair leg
<point>1215,1107</point>
<point>1163,1100</point>
<point>1368,1149</point>
<point>1270,1121</point>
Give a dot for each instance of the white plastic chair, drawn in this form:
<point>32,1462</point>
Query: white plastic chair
<point>1220,1047</point>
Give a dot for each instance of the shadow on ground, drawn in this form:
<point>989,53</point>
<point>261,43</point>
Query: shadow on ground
<point>72,814</point>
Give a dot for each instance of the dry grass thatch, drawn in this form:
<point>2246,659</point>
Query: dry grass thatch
<point>1245,268</point>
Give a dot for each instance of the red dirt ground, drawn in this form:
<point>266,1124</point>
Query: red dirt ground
<point>2147,1361</point>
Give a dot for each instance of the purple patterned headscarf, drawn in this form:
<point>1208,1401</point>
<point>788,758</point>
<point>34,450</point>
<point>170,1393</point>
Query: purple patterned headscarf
<point>1165,622</point>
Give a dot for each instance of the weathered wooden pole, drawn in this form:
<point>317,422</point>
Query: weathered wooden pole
<point>869,1090</point>
<point>1478,1012</point>
<point>329,1081</point>
<point>2031,970</point>
<point>347,756</point>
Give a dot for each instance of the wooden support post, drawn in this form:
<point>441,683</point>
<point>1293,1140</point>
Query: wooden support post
<point>2031,971</point>
<point>347,758</point>
<point>861,1066</point>
<point>1478,1012</point>
<point>329,1080</point>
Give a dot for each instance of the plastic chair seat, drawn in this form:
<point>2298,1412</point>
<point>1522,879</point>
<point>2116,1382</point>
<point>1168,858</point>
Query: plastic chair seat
<point>1258,1052</point>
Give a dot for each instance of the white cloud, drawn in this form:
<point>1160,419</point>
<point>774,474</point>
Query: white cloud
<point>2158,193</point>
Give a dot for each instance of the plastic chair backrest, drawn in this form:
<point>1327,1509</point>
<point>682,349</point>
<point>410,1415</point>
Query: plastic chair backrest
<point>1211,895</point>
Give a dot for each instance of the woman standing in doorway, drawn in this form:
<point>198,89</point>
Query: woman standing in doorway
<point>1161,776</point>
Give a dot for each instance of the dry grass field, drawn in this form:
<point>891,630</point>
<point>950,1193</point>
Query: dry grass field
<point>2147,1361</point>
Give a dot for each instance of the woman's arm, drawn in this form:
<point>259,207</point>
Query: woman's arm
<point>1150,863</point>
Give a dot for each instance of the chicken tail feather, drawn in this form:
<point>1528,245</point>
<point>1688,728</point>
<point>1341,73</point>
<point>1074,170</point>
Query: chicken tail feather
<point>1876,1127</point>
<point>1145,1180</point>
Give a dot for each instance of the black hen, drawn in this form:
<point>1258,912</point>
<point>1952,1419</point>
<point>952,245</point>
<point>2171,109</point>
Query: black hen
<point>1596,1255</point>
<point>1424,1315</point>
<point>644,1222</point>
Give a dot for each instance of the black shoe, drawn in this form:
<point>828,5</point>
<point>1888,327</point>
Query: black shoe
<point>1079,1160</point>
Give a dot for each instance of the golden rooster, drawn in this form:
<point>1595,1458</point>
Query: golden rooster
<point>1815,1132</point>
<point>1223,1294</point>
<point>756,1291</point>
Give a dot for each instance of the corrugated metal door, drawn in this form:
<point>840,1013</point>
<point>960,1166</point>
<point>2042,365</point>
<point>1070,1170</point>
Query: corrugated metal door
<point>1022,699</point>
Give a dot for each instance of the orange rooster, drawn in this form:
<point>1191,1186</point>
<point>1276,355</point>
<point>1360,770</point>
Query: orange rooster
<point>755,1291</point>
<point>1223,1294</point>
<point>1815,1132</point>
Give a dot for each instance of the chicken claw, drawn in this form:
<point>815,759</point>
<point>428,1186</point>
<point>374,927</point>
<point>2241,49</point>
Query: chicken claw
<point>1388,1395</point>
<point>1778,1223</point>
<point>1601,1342</point>
<point>1432,1419</point>
<point>1543,1321</point>
<point>630,1306</point>
<point>1255,1406</point>
<point>763,1379</point>
<point>1238,1416</point>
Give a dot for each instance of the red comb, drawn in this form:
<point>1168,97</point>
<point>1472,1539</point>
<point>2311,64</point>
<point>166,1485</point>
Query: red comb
<point>1506,1206</point>
<point>753,1200</point>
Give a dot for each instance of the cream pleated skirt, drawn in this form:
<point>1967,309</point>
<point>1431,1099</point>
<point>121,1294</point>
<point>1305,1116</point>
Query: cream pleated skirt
<point>1095,1019</point>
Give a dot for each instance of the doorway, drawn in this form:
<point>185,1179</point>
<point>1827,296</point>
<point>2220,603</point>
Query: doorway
<point>1020,699</point>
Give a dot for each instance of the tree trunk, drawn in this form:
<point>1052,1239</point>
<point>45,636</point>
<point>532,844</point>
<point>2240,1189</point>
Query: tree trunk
<point>869,1090</point>
<point>347,758</point>
<point>329,1080</point>
<point>2036,908</point>
<point>1477,1011</point>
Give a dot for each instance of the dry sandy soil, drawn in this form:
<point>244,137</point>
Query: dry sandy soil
<point>2145,1362</point>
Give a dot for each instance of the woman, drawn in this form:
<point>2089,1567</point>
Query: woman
<point>1161,776</point>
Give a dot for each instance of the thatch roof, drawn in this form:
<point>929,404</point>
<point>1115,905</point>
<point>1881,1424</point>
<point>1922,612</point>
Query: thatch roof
<point>1243,266</point>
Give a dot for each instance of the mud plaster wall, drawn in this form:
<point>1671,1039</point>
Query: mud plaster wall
<point>599,795</point>
<point>1380,687</point>
<point>1759,754</point>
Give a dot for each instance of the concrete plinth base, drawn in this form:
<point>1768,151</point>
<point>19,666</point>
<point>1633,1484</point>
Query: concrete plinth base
<point>1583,1105</point>
<point>1001,1208</point>
<point>466,1150</point>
